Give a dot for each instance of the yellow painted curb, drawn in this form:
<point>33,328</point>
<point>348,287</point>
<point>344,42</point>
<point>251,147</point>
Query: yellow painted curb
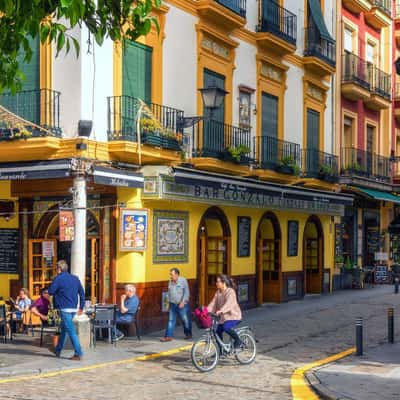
<point>300,389</point>
<point>96,366</point>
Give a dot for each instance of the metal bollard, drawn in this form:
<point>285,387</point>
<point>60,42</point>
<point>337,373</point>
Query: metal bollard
<point>391,325</point>
<point>396,285</point>
<point>359,336</point>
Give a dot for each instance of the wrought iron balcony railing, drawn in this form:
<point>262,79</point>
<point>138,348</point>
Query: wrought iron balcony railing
<point>237,6</point>
<point>355,70</point>
<point>159,125</point>
<point>380,82</point>
<point>316,46</point>
<point>317,164</point>
<point>219,140</point>
<point>277,20</point>
<point>41,107</point>
<point>278,155</point>
<point>365,164</point>
<point>384,5</point>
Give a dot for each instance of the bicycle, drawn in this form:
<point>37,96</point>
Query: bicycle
<point>207,351</point>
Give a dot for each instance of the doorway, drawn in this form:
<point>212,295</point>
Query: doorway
<point>269,271</point>
<point>313,256</point>
<point>48,229</point>
<point>214,249</point>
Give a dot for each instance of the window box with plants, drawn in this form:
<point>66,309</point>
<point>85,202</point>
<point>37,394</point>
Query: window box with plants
<point>238,155</point>
<point>7,134</point>
<point>153,134</point>
<point>327,173</point>
<point>354,168</point>
<point>287,165</point>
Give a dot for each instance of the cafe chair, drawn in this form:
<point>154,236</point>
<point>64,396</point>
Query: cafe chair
<point>104,318</point>
<point>3,322</point>
<point>126,326</point>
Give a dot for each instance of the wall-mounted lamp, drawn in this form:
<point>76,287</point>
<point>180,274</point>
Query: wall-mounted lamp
<point>212,97</point>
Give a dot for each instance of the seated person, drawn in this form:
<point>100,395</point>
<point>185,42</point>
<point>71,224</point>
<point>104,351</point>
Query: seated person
<point>21,306</point>
<point>41,306</point>
<point>128,307</point>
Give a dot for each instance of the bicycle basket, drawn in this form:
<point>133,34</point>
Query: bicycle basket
<point>201,318</point>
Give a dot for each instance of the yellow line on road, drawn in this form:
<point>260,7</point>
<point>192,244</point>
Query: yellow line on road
<point>300,388</point>
<point>146,357</point>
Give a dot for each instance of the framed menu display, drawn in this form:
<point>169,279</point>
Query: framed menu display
<point>243,236</point>
<point>133,229</point>
<point>293,238</point>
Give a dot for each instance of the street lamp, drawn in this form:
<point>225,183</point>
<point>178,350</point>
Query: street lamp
<point>212,97</point>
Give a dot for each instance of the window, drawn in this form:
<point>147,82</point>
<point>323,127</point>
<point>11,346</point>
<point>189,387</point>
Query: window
<point>348,132</point>
<point>371,53</point>
<point>270,112</point>
<point>348,40</point>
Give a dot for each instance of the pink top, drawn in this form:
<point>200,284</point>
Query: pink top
<point>226,302</point>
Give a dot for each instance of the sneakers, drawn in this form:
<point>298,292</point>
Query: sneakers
<point>56,353</point>
<point>75,358</point>
<point>119,337</point>
<point>166,339</point>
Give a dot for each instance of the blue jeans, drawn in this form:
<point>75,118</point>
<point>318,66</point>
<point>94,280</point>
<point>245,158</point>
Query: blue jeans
<point>183,314</point>
<point>227,327</point>
<point>68,328</point>
<point>121,318</point>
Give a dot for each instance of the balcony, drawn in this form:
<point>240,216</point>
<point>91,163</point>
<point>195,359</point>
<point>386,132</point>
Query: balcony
<point>357,6</point>
<point>41,107</point>
<point>277,155</point>
<point>213,140</point>
<point>159,127</point>
<point>355,78</point>
<point>320,165</point>
<point>277,28</point>
<point>380,83</point>
<point>397,102</point>
<point>319,53</point>
<point>229,14</point>
<point>380,15</point>
<point>360,165</point>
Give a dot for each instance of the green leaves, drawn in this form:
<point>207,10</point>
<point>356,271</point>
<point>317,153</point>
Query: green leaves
<point>53,20</point>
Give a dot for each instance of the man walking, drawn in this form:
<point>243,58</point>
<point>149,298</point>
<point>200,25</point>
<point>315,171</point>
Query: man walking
<point>178,296</point>
<point>66,289</point>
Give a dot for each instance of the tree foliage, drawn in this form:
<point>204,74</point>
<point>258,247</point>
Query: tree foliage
<point>53,20</point>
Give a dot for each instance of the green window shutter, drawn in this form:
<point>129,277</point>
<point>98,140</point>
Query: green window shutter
<point>313,129</point>
<point>136,71</point>
<point>270,114</point>
<point>31,70</point>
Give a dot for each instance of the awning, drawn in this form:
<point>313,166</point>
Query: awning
<point>318,18</point>
<point>117,177</point>
<point>379,195</point>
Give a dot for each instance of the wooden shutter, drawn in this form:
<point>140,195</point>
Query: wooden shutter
<point>312,129</point>
<point>136,71</point>
<point>270,115</point>
<point>31,70</point>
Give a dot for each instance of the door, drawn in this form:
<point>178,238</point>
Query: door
<point>41,264</point>
<point>217,263</point>
<point>269,127</point>
<point>313,127</point>
<point>213,134</point>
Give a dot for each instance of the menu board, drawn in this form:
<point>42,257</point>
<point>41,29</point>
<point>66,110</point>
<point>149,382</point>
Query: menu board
<point>133,230</point>
<point>9,251</point>
<point>373,239</point>
<point>293,238</point>
<point>339,231</point>
<point>381,274</point>
<point>243,236</point>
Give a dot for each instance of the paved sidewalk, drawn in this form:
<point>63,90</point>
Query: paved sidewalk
<point>374,376</point>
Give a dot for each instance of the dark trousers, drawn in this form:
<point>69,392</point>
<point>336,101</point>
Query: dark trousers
<point>227,327</point>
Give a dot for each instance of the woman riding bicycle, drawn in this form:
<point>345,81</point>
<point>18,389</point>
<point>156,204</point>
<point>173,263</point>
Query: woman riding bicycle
<point>226,306</point>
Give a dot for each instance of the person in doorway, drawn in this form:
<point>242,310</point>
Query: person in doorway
<point>128,307</point>
<point>66,289</point>
<point>225,305</point>
<point>41,306</point>
<point>21,308</point>
<point>178,297</point>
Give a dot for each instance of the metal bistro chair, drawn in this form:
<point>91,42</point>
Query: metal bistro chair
<point>134,322</point>
<point>45,326</point>
<point>104,318</point>
<point>3,322</point>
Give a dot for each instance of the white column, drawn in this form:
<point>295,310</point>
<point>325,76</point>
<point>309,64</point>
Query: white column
<point>78,251</point>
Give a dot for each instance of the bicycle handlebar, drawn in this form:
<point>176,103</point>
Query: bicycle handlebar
<point>214,316</point>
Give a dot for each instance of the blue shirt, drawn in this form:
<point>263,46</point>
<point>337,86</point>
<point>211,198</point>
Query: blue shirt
<point>66,289</point>
<point>132,304</point>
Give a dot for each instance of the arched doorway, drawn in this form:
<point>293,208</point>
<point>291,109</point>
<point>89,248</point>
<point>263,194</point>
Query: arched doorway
<point>269,271</point>
<point>214,249</point>
<point>313,255</point>
<point>48,230</point>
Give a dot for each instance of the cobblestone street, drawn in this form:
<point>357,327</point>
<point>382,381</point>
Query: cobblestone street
<point>290,335</point>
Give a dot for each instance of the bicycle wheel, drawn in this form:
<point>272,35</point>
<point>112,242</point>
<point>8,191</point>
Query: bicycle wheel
<point>246,354</point>
<point>205,355</point>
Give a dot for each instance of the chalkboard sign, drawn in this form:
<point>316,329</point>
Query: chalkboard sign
<point>243,236</point>
<point>9,251</point>
<point>293,238</point>
<point>381,274</point>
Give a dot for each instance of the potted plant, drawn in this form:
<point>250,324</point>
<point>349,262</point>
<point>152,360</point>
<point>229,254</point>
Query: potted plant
<point>327,173</point>
<point>237,154</point>
<point>288,165</point>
